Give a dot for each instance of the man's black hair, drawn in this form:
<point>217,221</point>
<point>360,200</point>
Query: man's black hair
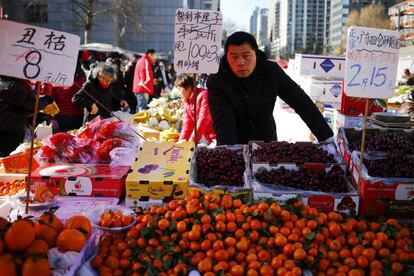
<point>149,51</point>
<point>239,38</point>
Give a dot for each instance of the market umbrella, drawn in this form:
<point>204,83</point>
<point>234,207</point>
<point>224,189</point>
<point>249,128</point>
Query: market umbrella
<point>109,48</point>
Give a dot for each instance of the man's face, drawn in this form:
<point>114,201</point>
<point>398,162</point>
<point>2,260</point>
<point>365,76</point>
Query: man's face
<point>152,56</point>
<point>242,60</point>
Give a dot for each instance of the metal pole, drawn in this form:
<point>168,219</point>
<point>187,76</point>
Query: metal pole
<point>29,179</point>
<point>364,130</point>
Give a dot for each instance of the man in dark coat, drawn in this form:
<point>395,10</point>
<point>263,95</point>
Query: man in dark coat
<point>16,103</point>
<point>243,93</point>
<point>97,94</point>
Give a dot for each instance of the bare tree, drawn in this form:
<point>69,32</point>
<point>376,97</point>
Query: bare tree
<point>124,12</point>
<point>229,27</point>
<point>373,16</point>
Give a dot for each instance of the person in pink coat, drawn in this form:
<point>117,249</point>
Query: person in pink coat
<point>143,85</point>
<point>187,86</point>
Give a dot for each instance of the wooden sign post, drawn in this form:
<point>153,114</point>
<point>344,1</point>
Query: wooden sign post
<point>197,44</point>
<point>370,68</point>
<point>37,54</point>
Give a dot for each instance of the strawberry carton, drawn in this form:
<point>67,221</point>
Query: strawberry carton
<point>354,106</point>
<point>81,179</point>
<point>374,187</point>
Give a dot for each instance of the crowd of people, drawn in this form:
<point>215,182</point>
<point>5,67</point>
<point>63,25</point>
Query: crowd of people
<point>236,107</point>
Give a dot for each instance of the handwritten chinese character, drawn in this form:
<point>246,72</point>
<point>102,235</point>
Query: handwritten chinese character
<point>28,36</point>
<point>59,42</point>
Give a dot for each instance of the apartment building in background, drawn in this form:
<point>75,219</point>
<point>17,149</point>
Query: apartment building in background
<point>273,29</point>
<point>262,24</point>
<point>253,21</point>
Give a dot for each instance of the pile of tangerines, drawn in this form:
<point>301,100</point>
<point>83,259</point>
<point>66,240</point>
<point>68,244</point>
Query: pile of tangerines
<point>24,244</point>
<point>222,235</point>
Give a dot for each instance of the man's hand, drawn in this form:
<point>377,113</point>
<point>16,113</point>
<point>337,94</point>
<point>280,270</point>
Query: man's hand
<point>94,109</point>
<point>124,105</point>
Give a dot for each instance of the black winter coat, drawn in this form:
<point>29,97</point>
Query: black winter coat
<point>104,96</point>
<point>16,102</point>
<point>242,108</point>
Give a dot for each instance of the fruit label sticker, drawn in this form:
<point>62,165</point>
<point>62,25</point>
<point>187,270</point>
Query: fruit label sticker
<point>37,54</point>
<point>79,186</point>
<point>404,192</point>
<point>197,41</point>
<point>324,203</point>
<point>371,62</point>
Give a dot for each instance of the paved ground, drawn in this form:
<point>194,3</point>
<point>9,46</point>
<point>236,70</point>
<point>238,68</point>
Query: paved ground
<point>290,126</point>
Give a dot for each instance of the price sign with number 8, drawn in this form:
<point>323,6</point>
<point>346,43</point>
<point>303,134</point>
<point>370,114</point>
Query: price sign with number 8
<point>371,62</point>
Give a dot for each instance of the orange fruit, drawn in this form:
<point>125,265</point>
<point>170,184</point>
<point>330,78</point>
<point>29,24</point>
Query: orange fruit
<point>19,236</point>
<point>70,240</point>
<point>80,223</point>
<point>43,194</point>
<point>38,267</point>
<point>47,233</point>
<point>9,265</point>
<point>51,220</point>
<point>38,247</point>
<point>1,245</point>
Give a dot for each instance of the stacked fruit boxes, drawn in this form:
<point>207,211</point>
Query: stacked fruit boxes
<point>387,175</point>
<point>315,173</point>
<point>161,172</point>
<point>223,169</point>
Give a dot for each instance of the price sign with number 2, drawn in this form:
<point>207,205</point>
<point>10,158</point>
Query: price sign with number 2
<point>371,62</point>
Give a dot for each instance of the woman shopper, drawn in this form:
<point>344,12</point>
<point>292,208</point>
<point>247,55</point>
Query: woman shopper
<point>97,94</point>
<point>187,86</point>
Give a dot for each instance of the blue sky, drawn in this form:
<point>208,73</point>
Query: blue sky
<point>239,11</point>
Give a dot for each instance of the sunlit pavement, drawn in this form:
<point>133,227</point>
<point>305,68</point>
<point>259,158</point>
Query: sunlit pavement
<point>289,125</point>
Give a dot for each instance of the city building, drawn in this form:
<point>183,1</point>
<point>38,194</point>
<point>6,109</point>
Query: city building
<point>273,31</point>
<point>339,12</point>
<point>156,18</point>
<point>253,21</point>
<point>301,26</point>
<point>402,18</point>
<point>262,22</point>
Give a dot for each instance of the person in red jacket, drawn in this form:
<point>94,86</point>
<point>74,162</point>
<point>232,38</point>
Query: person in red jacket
<point>143,85</point>
<point>187,86</point>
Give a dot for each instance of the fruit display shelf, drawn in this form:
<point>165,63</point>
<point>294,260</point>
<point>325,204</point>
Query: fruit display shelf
<point>289,155</point>
<point>378,141</point>
<point>223,169</point>
<point>327,189</point>
<point>390,196</point>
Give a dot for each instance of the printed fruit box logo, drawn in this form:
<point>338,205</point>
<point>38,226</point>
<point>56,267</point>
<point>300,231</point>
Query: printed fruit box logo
<point>327,65</point>
<point>404,192</point>
<point>347,203</point>
<point>323,203</point>
<point>80,186</point>
<point>159,190</point>
<point>174,152</point>
<point>147,169</point>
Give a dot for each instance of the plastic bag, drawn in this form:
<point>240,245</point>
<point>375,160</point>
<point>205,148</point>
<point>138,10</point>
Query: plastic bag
<point>123,156</point>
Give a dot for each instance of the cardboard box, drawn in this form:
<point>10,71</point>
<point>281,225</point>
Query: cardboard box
<point>320,66</point>
<point>161,171</point>
<point>221,188</point>
<point>136,203</point>
<point>81,179</point>
<point>323,90</point>
<point>19,163</point>
<point>324,202</point>
<point>329,147</point>
<point>400,209</point>
<point>394,189</point>
<point>353,106</point>
<point>346,121</point>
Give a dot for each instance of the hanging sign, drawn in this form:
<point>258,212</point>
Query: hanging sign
<point>371,62</point>
<point>197,41</point>
<point>37,54</point>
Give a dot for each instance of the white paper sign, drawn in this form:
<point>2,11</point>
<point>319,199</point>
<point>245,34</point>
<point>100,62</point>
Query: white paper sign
<point>39,54</point>
<point>371,62</point>
<point>197,39</point>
